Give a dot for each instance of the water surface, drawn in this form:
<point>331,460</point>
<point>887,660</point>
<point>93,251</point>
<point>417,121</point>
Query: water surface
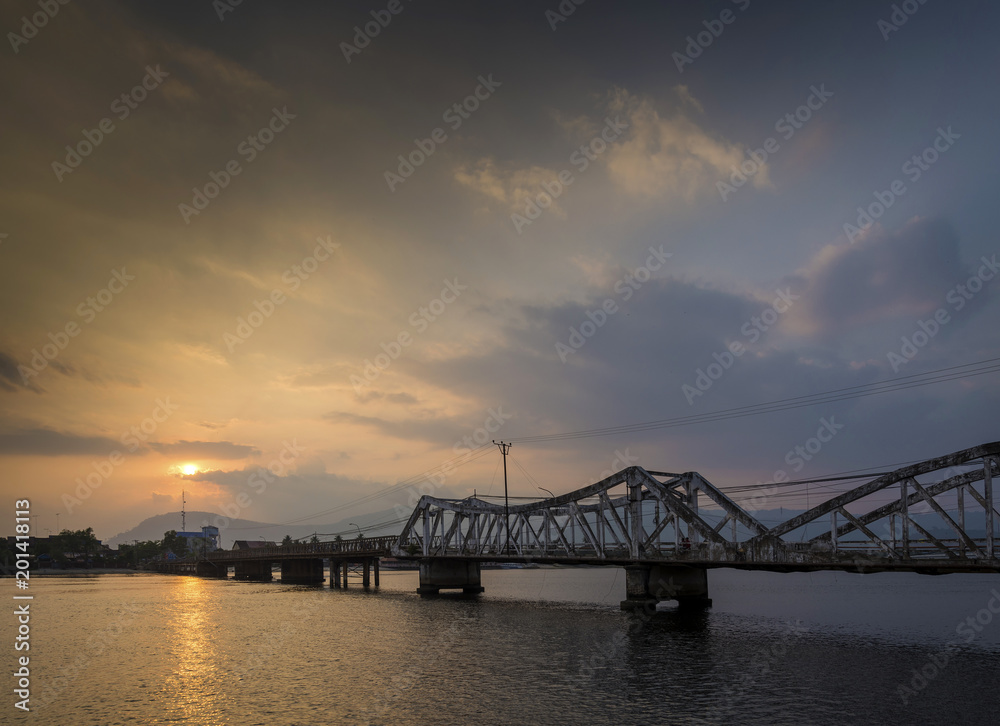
<point>540,646</point>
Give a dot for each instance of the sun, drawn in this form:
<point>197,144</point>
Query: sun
<point>189,469</point>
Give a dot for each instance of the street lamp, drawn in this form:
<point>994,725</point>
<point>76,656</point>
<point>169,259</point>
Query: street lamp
<point>360,536</point>
<point>553,496</point>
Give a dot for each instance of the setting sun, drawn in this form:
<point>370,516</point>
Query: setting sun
<point>189,469</point>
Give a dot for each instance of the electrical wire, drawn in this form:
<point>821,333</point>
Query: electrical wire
<point>990,365</point>
<point>950,373</point>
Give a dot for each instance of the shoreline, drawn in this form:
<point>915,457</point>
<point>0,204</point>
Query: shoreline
<point>50,572</point>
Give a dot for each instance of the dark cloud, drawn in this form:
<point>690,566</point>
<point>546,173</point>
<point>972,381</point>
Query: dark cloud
<point>46,442</point>
<point>399,397</point>
<point>885,274</point>
<point>259,482</point>
<point>10,379</point>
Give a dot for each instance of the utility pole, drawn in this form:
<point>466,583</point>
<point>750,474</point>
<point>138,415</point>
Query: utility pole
<point>183,502</point>
<point>504,448</point>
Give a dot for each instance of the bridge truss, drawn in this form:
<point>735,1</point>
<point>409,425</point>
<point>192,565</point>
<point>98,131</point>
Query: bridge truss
<point>935,516</point>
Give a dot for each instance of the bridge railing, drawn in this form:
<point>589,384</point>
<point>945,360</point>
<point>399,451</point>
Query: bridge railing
<point>367,545</point>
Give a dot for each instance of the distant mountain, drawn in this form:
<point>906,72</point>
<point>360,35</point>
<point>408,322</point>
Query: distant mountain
<point>154,527</point>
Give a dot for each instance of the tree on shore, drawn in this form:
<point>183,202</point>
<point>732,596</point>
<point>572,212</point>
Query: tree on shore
<point>176,544</point>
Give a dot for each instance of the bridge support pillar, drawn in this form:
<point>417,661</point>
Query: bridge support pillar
<point>204,568</point>
<point>439,574</point>
<point>302,572</point>
<point>256,570</point>
<point>646,585</point>
<point>334,573</point>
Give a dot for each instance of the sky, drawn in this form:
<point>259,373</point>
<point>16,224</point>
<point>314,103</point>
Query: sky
<point>294,260</point>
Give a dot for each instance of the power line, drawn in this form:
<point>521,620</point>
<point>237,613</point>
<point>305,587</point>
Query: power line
<point>950,373</point>
<point>968,370</point>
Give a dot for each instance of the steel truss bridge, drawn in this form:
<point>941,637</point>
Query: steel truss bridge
<point>667,529</point>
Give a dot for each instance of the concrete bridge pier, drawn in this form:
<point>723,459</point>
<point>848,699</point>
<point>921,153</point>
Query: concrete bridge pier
<point>204,568</point>
<point>302,572</point>
<point>646,585</point>
<point>256,570</point>
<point>439,574</point>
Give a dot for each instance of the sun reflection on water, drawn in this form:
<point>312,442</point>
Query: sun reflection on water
<point>192,687</point>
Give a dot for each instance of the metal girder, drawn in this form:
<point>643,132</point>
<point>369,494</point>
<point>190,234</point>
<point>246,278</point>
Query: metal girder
<point>894,477</point>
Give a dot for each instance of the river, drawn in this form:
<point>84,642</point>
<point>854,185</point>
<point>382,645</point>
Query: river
<point>541,646</point>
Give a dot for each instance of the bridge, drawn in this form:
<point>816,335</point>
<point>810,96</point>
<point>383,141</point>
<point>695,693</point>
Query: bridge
<point>301,564</point>
<point>667,530</point>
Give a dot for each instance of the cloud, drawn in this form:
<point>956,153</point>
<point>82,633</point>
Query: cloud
<point>46,442</point>
<point>308,482</point>
<point>442,430</point>
<point>205,450</point>
<point>510,185</point>
<point>400,397</point>
<point>10,379</point>
<point>882,276</point>
<point>662,157</point>
<point>669,156</point>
